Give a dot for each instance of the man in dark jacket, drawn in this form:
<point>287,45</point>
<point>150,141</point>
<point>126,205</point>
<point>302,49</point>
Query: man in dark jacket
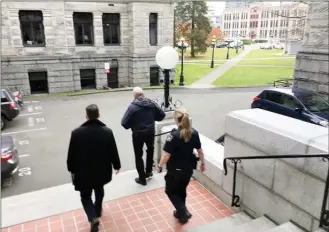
<point>140,118</point>
<point>92,153</point>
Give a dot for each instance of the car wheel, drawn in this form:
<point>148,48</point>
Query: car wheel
<point>3,122</point>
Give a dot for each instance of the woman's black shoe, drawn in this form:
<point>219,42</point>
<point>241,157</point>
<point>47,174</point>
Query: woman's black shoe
<point>149,175</point>
<point>94,226</point>
<point>138,181</point>
<point>188,214</point>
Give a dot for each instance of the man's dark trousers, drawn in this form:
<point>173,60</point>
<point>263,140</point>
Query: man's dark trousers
<point>93,210</point>
<point>138,142</point>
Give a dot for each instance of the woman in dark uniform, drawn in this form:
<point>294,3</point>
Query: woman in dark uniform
<point>178,154</point>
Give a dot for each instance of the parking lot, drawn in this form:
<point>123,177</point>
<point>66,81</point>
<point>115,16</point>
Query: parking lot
<point>42,130</point>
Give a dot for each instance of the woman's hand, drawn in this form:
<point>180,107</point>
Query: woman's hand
<point>202,167</point>
<point>159,169</point>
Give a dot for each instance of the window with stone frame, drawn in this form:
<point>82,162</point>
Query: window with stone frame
<point>83,28</point>
<point>111,28</point>
<point>153,28</point>
<point>154,76</point>
<point>32,28</point>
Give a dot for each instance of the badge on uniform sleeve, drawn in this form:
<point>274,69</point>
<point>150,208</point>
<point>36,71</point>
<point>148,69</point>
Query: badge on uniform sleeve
<point>169,138</point>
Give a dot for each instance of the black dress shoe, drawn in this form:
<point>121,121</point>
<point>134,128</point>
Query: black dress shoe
<point>94,226</point>
<point>149,175</point>
<point>138,181</point>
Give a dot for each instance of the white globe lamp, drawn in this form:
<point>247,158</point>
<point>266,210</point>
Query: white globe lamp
<point>167,58</point>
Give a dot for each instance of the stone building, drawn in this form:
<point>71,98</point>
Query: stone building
<point>312,65</point>
<point>62,46</point>
<point>265,21</point>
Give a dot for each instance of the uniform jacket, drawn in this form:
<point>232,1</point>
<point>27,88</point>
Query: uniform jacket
<point>92,154</point>
<point>141,116</point>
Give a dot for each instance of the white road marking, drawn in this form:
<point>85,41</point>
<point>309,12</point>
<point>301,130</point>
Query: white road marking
<point>27,102</point>
<point>30,109</point>
<point>40,120</point>
<point>35,101</point>
<point>25,155</point>
<point>22,115</point>
<point>24,131</point>
<point>30,121</point>
<point>24,142</point>
<point>38,107</point>
<point>25,171</point>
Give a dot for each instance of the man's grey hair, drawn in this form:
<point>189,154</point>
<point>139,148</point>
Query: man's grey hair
<point>138,92</point>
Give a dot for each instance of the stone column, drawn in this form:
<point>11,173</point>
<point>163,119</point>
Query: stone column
<point>311,69</point>
<point>98,29</point>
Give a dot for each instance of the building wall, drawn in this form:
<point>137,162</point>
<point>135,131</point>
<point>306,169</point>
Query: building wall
<point>311,69</point>
<point>276,24</point>
<point>62,58</point>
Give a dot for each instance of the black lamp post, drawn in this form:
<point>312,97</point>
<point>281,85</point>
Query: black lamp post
<point>213,42</point>
<point>182,45</point>
<point>228,49</point>
<point>271,40</point>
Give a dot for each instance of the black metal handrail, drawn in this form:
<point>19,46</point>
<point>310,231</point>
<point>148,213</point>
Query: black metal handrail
<point>324,218</point>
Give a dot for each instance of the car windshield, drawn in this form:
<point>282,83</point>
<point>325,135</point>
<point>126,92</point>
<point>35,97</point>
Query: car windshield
<point>314,103</point>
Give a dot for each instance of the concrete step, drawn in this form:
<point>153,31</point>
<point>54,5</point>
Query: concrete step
<point>258,225</point>
<point>286,227</point>
<point>225,224</point>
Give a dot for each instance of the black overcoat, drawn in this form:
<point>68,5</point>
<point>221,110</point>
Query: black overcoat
<point>92,154</point>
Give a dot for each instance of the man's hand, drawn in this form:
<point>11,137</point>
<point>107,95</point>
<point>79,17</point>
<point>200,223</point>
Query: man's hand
<point>117,172</point>
<point>202,168</point>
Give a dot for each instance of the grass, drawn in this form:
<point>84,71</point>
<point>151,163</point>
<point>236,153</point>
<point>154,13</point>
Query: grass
<point>263,54</point>
<point>193,72</point>
<point>219,54</point>
<point>252,76</point>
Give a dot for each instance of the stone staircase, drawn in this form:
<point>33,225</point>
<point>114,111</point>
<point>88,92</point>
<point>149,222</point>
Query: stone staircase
<point>241,222</point>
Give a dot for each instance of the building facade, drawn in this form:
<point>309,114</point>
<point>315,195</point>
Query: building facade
<point>266,21</point>
<point>215,19</point>
<point>312,61</point>
<point>62,46</point>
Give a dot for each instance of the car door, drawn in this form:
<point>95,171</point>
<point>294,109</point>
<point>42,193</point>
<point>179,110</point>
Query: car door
<point>272,101</point>
<point>292,107</point>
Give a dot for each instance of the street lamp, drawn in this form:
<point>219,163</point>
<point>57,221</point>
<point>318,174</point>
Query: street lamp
<point>182,45</point>
<point>228,48</point>
<point>167,59</point>
<point>213,42</point>
<point>271,40</point>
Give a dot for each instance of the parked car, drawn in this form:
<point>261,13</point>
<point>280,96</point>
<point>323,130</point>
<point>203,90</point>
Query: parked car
<point>9,107</point>
<point>221,45</point>
<point>238,44</point>
<point>265,46</point>
<point>300,104</point>
<point>277,46</point>
<point>9,158</point>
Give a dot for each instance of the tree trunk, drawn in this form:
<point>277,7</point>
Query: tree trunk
<point>192,30</point>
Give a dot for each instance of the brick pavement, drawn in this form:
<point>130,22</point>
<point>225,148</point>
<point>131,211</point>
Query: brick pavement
<point>145,212</point>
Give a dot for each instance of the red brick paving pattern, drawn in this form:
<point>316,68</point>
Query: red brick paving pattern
<point>146,212</point>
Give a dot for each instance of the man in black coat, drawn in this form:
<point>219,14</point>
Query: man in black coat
<point>92,153</point>
<point>140,118</point>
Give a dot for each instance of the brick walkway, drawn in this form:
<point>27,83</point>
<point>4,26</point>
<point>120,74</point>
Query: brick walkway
<point>146,212</point>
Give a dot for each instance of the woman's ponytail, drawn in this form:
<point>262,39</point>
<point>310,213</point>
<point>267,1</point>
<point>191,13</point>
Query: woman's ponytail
<point>184,122</point>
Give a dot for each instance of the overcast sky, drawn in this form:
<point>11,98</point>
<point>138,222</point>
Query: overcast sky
<point>219,6</point>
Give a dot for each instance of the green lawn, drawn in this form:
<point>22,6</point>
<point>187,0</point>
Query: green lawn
<point>219,54</point>
<point>252,76</point>
<point>263,54</point>
<point>193,72</point>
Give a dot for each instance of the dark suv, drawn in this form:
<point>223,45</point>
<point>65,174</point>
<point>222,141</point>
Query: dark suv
<point>9,107</point>
<point>300,104</point>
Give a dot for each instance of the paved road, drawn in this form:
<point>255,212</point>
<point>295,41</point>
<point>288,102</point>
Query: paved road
<point>43,129</point>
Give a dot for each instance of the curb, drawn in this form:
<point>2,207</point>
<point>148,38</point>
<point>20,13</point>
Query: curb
<point>76,94</point>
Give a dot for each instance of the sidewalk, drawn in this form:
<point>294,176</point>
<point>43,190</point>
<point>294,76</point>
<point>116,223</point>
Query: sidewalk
<point>206,82</point>
<point>148,210</point>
